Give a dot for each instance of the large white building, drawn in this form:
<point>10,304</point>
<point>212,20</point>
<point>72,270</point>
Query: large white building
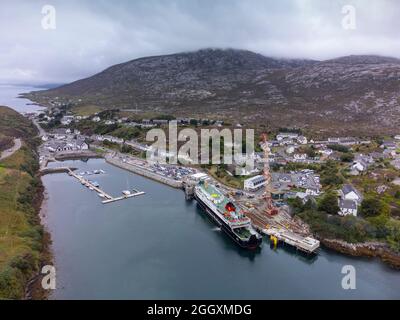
<point>254,183</point>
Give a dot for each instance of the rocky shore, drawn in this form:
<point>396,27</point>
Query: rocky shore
<point>367,249</point>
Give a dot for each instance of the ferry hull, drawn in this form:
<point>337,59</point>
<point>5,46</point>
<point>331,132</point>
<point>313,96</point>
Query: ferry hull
<point>251,244</point>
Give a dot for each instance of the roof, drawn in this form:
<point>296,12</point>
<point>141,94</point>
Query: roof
<point>347,188</point>
<point>256,179</point>
<point>347,204</point>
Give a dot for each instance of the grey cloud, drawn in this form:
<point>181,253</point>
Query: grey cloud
<point>92,35</point>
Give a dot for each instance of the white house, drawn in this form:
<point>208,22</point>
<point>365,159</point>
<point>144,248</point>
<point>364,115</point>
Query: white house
<point>254,183</point>
<point>300,156</point>
<point>290,149</point>
<point>302,140</point>
<point>286,135</point>
<point>347,207</point>
<point>348,192</point>
<point>96,119</point>
<point>359,166</point>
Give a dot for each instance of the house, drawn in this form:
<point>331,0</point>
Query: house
<point>66,120</point>
<point>290,149</point>
<point>284,177</point>
<point>302,140</point>
<point>348,192</point>
<point>96,119</point>
<point>300,156</point>
<point>389,153</point>
<point>81,145</point>
<point>160,122</point>
<point>359,166</point>
<point>397,137</point>
<point>109,122</point>
<point>286,135</point>
<point>325,151</point>
<point>347,207</point>
<point>254,183</point>
<point>391,145</point>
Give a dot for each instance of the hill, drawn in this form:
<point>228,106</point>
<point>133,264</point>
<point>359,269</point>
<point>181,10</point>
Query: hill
<point>21,235</point>
<point>344,94</point>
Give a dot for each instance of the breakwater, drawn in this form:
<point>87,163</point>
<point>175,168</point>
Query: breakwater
<point>143,172</point>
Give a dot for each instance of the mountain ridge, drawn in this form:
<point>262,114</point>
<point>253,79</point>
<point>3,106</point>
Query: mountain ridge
<point>249,86</point>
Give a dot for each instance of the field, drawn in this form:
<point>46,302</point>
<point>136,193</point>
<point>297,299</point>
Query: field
<point>21,235</point>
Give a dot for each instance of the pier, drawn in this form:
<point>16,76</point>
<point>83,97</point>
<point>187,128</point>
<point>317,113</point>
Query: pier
<point>107,198</point>
<point>305,244</point>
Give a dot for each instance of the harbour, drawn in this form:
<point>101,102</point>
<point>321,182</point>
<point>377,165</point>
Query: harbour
<point>174,261</point>
<point>102,194</point>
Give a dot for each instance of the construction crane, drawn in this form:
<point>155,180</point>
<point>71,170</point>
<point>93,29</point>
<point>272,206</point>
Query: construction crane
<point>270,209</point>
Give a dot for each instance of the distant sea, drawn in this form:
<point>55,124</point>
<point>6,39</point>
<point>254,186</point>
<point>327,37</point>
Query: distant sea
<point>9,97</point>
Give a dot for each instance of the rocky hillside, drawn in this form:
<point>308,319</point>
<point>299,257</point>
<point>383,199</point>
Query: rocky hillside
<point>341,94</point>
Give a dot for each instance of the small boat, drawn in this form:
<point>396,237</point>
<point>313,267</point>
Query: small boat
<point>126,193</point>
<point>101,195</point>
<point>96,184</point>
<point>102,171</point>
<point>96,171</point>
<point>81,173</point>
<point>91,188</point>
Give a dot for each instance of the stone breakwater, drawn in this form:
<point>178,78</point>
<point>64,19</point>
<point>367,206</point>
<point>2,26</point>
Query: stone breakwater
<point>143,172</point>
<point>367,249</point>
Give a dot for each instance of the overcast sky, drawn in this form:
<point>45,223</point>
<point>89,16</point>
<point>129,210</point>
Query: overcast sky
<point>91,35</point>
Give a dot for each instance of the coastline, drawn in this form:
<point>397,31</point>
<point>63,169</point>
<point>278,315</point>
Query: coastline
<point>33,289</point>
<point>368,249</point>
<point>145,173</point>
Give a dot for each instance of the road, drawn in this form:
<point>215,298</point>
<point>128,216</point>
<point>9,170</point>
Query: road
<point>9,152</point>
<point>41,131</point>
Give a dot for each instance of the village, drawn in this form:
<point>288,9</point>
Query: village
<point>305,171</point>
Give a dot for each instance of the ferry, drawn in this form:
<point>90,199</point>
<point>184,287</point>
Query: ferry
<point>227,216</point>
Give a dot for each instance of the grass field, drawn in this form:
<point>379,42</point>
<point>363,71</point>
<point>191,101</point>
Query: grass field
<point>21,235</point>
<point>86,110</point>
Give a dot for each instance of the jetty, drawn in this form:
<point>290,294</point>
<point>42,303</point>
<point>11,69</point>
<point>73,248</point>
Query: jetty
<point>102,194</point>
<point>305,244</point>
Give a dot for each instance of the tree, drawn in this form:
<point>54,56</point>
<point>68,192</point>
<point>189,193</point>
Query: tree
<point>372,207</point>
<point>329,203</point>
<point>347,157</point>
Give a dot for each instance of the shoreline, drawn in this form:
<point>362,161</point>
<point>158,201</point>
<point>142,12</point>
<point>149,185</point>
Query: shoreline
<point>367,249</point>
<point>144,173</point>
<point>33,289</point>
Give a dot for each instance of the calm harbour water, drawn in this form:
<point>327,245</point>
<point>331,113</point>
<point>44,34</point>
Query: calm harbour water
<point>159,246</point>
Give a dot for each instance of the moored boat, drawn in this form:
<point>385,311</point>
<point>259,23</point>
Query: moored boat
<point>227,215</point>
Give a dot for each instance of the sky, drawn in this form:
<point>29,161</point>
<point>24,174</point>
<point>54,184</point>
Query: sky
<point>84,37</point>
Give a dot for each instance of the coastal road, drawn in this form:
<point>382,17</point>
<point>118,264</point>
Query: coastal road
<point>41,130</point>
<point>9,152</point>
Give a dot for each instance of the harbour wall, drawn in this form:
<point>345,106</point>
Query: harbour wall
<point>143,172</point>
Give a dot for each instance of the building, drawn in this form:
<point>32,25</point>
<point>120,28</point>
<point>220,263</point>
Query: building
<point>347,207</point>
<point>391,145</point>
<point>254,183</point>
<point>302,140</point>
<point>348,192</point>
<point>286,135</point>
